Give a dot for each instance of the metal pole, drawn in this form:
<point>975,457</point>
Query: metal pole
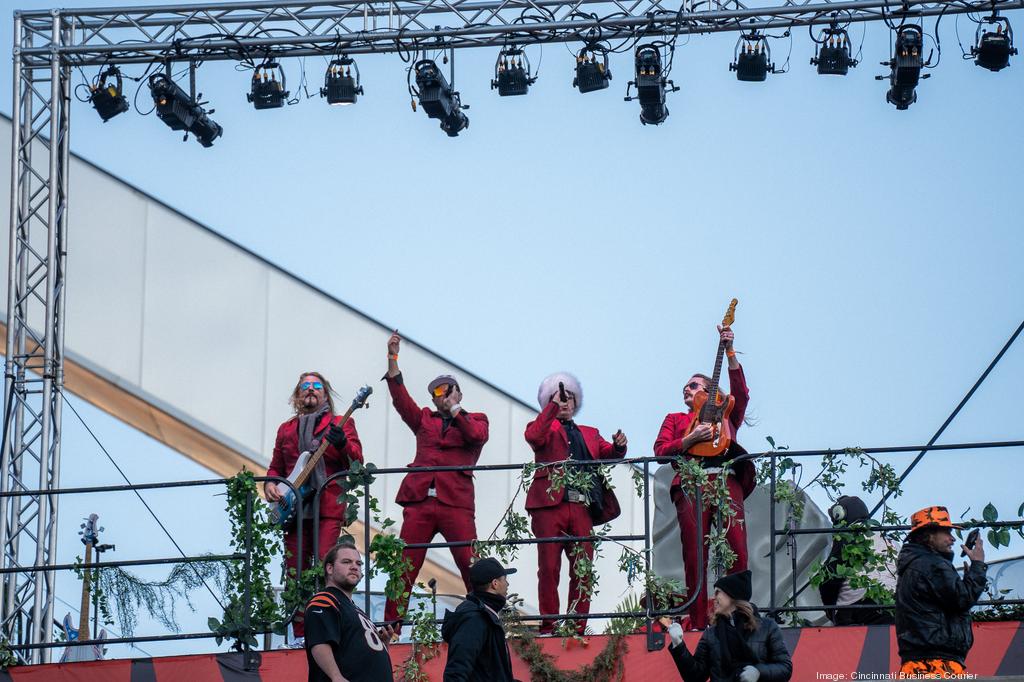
<point>771,535</point>
<point>953,414</point>
<point>366,546</point>
<point>247,585</point>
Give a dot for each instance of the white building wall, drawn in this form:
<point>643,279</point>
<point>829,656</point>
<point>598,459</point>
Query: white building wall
<point>169,311</point>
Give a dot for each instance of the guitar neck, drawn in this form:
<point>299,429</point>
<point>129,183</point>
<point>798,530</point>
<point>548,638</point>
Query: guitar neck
<point>83,621</point>
<point>717,375</point>
<point>307,470</point>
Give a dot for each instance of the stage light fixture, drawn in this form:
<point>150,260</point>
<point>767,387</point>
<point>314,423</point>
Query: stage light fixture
<point>107,95</point>
<point>512,75</point>
<point>340,86</point>
<point>993,47</point>
<point>832,56</point>
<point>905,67</point>
<point>650,85</point>
<point>592,69</point>
<point>267,88</point>
<point>438,99</point>
<point>753,58</point>
<point>180,111</point>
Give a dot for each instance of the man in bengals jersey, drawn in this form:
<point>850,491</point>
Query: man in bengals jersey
<point>342,643</point>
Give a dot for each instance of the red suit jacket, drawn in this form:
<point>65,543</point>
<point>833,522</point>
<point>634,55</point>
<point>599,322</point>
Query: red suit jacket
<point>674,428</point>
<point>550,444</point>
<point>458,445</point>
<point>286,453</point>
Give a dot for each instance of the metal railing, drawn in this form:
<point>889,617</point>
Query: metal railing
<point>649,612</point>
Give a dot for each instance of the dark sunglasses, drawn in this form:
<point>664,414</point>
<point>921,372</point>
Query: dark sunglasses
<point>306,385</point>
<point>694,385</point>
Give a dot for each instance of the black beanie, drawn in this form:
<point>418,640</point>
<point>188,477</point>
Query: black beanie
<point>736,585</point>
<point>848,509</point>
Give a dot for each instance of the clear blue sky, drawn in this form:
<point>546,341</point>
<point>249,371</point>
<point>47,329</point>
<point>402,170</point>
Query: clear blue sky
<point>876,254</point>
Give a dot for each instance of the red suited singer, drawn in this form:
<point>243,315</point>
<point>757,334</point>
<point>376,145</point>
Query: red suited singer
<point>436,502</point>
<point>555,437</point>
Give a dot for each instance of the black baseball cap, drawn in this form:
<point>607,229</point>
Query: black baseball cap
<point>486,570</point>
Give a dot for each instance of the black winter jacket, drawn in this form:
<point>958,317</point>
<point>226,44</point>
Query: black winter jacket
<point>476,644</point>
<point>933,605</point>
<point>774,662</point>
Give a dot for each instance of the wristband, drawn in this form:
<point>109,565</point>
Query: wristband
<point>730,353</point>
<point>392,356</point>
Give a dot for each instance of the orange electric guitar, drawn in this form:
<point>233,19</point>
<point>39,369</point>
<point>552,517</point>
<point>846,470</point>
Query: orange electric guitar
<point>713,407</point>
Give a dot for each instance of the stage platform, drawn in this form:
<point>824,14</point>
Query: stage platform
<point>818,654</point>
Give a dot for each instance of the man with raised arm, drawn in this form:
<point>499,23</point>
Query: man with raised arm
<point>436,502</point>
<point>672,441</point>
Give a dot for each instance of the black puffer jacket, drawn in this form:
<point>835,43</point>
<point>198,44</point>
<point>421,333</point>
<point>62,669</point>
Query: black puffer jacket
<point>774,662</point>
<point>476,644</point>
<point>933,605</point>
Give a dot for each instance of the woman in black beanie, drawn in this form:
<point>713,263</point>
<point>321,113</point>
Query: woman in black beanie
<point>740,645</point>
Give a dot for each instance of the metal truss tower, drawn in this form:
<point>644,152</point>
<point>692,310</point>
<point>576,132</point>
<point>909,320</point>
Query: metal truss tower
<point>48,44</point>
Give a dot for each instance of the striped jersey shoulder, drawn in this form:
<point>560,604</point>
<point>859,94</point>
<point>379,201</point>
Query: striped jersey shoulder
<point>324,599</point>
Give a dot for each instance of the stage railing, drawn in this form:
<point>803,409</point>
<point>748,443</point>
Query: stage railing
<point>649,613</point>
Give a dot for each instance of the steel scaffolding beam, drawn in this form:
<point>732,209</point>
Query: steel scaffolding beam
<point>229,31</point>
<point>35,327</point>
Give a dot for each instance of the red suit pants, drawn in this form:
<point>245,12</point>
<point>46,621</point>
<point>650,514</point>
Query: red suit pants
<point>421,521</point>
<point>736,536</point>
<point>328,534</point>
<point>566,518</point>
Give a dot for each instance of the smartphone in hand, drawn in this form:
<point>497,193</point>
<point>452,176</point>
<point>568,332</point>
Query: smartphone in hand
<point>972,540</point>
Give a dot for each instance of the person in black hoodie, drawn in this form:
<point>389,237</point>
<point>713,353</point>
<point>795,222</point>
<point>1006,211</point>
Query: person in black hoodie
<point>476,638</point>
<point>933,605</point>
<point>740,645</point>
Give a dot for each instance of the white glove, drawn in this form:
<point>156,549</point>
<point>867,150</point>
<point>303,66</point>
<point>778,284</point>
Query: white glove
<point>750,674</point>
<point>675,631</point>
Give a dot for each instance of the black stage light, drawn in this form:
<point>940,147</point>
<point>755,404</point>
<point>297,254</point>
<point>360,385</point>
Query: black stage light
<point>181,112</point>
<point>650,85</point>
<point>905,67</point>
<point>512,73</point>
<point>992,48</point>
<point>753,58</point>
<point>340,86</point>
<point>832,55</point>
<point>267,89</point>
<point>438,99</point>
<point>591,74</point>
<point>106,96</point>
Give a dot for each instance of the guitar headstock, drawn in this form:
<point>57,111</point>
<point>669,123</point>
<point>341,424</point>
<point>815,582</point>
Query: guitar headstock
<point>361,397</point>
<point>730,314</point>
<point>90,530</point>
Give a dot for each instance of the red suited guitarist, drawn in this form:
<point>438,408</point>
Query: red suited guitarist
<point>314,419</point>
<point>436,502</point>
<point>671,442</point>
<point>555,437</point>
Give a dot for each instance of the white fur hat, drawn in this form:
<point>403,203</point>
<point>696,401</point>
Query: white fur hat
<point>549,387</point>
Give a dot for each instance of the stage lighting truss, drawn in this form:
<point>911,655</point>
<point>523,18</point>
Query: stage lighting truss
<point>651,85</point>
<point>438,99</point>
<point>993,43</point>
<point>592,69</point>
<point>181,111</point>
<point>832,55</point>
<point>512,74</point>
<point>905,66</point>
<point>107,93</point>
<point>340,85</point>
<point>268,85</point>
<point>753,58</point>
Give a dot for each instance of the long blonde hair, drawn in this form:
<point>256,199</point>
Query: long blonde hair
<point>296,401</point>
<point>745,615</point>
